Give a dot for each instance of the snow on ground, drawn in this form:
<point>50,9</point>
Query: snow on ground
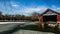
<point>11,22</point>
<point>17,22</point>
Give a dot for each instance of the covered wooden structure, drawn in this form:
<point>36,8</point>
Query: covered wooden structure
<point>49,15</point>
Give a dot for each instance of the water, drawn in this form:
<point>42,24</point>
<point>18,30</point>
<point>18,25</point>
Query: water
<point>6,27</point>
<point>30,32</point>
<point>20,28</point>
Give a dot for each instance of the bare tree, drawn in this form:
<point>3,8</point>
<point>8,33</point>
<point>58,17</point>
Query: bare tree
<point>34,16</point>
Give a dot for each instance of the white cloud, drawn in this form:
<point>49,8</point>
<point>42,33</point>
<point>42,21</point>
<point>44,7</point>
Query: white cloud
<point>14,4</point>
<point>58,8</point>
<point>26,10</point>
<point>40,9</point>
<point>37,9</point>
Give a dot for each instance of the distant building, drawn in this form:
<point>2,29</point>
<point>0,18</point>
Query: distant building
<point>49,15</point>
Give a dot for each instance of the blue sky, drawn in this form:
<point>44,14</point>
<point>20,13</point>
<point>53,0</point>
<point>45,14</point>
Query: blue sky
<point>27,7</point>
